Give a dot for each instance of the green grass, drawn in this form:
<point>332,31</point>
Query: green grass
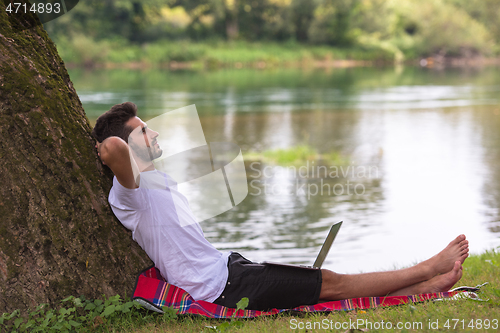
<point>115,315</point>
<point>81,50</point>
<point>297,155</point>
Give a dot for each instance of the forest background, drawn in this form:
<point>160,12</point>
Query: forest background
<point>243,32</point>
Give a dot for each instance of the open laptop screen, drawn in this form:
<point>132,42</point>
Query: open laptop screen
<point>327,244</point>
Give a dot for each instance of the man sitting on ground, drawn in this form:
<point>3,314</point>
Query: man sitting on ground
<point>163,225</point>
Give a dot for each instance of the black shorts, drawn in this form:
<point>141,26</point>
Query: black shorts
<point>269,286</point>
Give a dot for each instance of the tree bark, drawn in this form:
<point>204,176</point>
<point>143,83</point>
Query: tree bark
<point>58,236</point>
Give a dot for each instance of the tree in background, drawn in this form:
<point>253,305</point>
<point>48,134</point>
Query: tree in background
<point>302,16</point>
<point>436,27</point>
<point>231,18</point>
<point>405,28</point>
<point>486,12</point>
<point>239,19</point>
<point>332,22</point>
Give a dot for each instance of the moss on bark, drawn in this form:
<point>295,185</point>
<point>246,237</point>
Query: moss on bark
<point>58,236</point>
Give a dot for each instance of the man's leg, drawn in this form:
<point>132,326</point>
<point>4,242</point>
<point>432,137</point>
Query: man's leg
<point>421,278</point>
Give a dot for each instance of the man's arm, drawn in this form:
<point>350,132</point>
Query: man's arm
<point>114,152</point>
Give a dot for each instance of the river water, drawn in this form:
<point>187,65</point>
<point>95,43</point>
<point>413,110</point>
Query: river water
<point>422,145</point>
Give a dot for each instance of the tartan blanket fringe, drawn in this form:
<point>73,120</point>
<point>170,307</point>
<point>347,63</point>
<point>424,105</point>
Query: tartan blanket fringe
<point>153,292</point>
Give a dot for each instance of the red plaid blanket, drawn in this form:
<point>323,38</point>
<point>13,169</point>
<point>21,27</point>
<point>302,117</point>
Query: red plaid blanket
<point>153,292</point>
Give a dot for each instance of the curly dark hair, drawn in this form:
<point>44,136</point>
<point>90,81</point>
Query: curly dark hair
<point>113,122</point>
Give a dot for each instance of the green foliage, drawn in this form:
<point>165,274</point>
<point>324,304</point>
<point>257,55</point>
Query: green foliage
<point>293,155</point>
<point>332,23</point>
<point>436,27</point>
<point>81,50</point>
<point>485,12</point>
<point>169,313</point>
<point>166,51</point>
<point>123,31</point>
<point>78,314</point>
<point>241,305</point>
<point>406,29</point>
<point>297,155</point>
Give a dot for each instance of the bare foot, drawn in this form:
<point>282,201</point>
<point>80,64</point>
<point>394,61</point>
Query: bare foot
<point>444,261</point>
<point>439,283</point>
<point>444,282</point>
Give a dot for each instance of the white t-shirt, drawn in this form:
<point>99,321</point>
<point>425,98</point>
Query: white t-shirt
<point>163,225</point>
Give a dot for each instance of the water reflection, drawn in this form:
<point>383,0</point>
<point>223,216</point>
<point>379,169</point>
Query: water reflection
<point>489,121</point>
<point>433,138</point>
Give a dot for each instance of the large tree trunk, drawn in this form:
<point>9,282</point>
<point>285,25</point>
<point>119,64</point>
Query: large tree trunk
<point>58,236</point>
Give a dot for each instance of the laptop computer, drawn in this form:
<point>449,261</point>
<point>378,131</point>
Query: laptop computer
<point>322,253</point>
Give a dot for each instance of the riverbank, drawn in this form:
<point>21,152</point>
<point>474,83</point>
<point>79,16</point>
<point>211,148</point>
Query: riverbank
<point>84,52</point>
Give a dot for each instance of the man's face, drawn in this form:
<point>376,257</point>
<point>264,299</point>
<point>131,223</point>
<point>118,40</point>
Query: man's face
<point>142,140</point>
